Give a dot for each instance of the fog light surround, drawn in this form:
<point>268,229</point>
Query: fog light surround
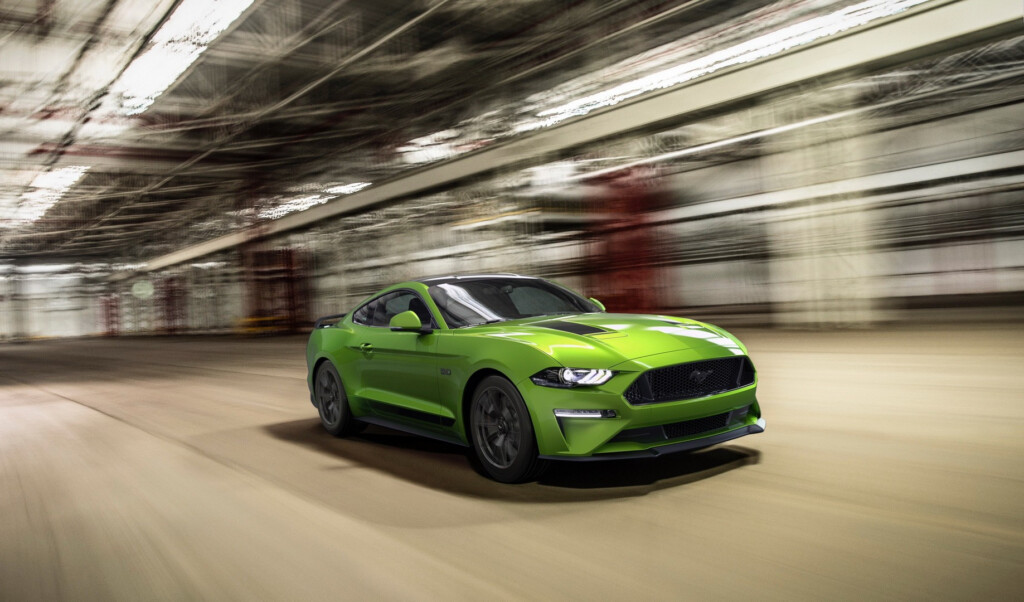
<point>585,413</point>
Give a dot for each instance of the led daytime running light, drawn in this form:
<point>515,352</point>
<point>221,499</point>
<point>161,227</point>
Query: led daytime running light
<point>585,413</point>
<point>565,378</point>
<point>576,376</point>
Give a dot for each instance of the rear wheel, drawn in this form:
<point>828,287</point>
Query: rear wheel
<point>335,414</point>
<point>502,433</point>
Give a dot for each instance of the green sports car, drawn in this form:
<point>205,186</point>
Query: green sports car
<point>524,371</point>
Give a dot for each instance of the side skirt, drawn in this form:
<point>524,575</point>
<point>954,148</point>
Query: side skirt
<point>412,430</point>
<point>411,413</point>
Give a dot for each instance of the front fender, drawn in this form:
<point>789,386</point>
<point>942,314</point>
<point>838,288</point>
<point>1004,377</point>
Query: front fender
<point>462,357</point>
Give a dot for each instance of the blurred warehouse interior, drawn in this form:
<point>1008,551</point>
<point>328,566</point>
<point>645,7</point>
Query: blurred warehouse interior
<point>180,166</point>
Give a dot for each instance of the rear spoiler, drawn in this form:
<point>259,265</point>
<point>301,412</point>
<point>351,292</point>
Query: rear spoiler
<point>326,321</point>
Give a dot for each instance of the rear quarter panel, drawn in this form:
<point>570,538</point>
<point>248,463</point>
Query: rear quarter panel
<point>332,344</point>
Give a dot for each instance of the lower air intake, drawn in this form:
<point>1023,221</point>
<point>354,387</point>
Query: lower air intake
<point>696,427</point>
<point>686,428</point>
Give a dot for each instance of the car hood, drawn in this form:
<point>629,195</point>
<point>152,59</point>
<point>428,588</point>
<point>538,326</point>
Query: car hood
<point>601,340</point>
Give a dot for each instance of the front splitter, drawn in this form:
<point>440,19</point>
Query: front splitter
<point>654,452</point>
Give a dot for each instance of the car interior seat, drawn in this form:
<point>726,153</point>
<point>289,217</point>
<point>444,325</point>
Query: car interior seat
<point>420,308</point>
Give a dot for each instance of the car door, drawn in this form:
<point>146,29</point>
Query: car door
<point>398,370</point>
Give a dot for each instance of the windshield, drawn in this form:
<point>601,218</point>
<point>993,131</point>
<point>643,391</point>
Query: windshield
<point>486,300</point>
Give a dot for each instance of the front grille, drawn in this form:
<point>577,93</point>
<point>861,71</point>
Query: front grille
<point>691,380</point>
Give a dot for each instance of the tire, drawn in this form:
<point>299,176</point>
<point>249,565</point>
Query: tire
<point>331,400</point>
<point>502,433</point>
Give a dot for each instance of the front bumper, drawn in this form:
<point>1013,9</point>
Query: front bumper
<point>613,437</point>
<point>670,448</point>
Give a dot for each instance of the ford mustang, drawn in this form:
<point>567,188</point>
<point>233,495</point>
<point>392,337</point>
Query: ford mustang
<point>523,371</point>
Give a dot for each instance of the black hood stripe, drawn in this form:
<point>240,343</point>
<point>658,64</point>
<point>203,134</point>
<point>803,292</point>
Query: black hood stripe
<point>572,327</point>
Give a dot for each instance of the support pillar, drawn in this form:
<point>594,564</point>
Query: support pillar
<point>822,255</point>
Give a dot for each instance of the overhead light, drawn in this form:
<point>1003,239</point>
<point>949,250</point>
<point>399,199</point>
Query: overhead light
<point>428,154</point>
<point>45,190</point>
<point>347,188</point>
<point>46,268</point>
<point>176,45</point>
<point>77,268</point>
<point>776,42</point>
<point>301,203</point>
<point>292,205</point>
<point>59,179</point>
<point>436,137</point>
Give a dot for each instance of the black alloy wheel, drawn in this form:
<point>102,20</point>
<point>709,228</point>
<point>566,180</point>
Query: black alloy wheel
<point>335,414</point>
<point>502,432</point>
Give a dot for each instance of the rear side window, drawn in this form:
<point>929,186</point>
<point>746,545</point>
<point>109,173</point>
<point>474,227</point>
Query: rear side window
<point>359,315</point>
<point>365,315</point>
<point>381,316</point>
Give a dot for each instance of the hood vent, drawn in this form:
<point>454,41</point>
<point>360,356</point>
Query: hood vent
<point>572,327</point>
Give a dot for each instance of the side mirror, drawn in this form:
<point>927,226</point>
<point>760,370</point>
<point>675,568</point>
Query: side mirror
<point>407,321</point>
<point>597,303</point>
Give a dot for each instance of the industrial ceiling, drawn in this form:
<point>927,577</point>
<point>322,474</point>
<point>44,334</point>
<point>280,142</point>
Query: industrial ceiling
<point>134,128</point>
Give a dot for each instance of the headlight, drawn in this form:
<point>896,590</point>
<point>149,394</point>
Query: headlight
<point>565,378</point>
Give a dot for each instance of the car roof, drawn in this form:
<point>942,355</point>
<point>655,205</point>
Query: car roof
<point>455,277</point>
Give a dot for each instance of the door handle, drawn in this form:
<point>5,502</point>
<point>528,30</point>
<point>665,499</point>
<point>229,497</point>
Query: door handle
<point>366,347</point>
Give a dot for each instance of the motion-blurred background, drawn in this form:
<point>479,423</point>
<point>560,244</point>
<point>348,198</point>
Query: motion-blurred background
<point>840,183</point>
<point>196,167</point>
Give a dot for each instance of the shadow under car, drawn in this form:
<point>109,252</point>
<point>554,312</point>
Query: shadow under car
<point>447,467</point>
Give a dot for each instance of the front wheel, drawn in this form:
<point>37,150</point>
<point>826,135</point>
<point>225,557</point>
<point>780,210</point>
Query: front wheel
<point>502,432</point>
<point>335,414</point>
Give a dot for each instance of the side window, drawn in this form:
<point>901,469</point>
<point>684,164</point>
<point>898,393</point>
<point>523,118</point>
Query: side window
<point>362,315</point>
<point>397,305</point>
<point>365,314</point>
<point>380,311</point>
<point>400,301</point>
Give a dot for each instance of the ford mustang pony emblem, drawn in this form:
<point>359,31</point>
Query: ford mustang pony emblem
<point>698,377</point>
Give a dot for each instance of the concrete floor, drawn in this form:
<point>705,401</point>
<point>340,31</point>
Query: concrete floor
<point>194,468</point>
